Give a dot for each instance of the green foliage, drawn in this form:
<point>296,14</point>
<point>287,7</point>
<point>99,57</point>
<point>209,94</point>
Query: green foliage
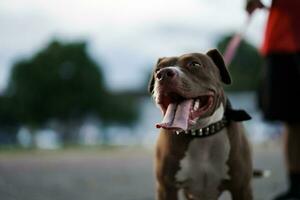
<point>62,82</point>
<point>245,67</point>
<point>120,108</point>
<point>7,113</point>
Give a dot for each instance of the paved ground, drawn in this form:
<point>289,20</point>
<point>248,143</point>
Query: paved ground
<point>125,174</point>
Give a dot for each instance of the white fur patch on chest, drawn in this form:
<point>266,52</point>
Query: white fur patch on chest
<point>204,166</point>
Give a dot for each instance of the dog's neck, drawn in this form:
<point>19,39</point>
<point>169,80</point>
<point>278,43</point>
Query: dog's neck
<point>214,123</point>
<point>207,126</point>
<point>218,115</point>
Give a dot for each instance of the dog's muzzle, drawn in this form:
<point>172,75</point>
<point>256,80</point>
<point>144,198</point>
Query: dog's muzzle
<point>166,74</point>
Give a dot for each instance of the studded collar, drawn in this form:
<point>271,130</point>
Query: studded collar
<point>229,115</point>
<point>206,131</point>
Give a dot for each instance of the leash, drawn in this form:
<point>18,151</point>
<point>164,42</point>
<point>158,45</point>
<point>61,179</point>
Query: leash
<point>235,42</point>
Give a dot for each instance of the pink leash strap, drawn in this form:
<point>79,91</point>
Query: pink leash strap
<point>234,43</point>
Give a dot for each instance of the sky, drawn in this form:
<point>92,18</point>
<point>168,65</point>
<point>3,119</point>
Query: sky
<point>125,36</point>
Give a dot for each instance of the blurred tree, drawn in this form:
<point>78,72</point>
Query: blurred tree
<point>8,121</point>
<point>245,67</point>
<point>63,83</point>
<point>121,108</point>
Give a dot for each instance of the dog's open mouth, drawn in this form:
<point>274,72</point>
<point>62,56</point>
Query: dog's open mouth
<point>180,112</point>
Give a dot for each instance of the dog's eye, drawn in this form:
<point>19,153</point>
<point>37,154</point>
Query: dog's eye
<point>194,64</point>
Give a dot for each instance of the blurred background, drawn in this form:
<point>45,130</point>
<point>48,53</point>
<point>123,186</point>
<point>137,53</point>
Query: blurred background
<point>76,120</point>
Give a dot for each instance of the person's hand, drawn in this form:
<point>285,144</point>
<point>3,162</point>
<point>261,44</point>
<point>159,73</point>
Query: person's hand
<point>252,5</point>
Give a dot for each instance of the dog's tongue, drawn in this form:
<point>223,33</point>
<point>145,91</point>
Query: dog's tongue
<point>177,116</point>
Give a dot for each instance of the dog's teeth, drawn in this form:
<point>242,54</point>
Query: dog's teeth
<point>196,105</point>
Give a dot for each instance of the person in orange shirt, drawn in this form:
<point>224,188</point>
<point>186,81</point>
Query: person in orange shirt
<point>280,93</point>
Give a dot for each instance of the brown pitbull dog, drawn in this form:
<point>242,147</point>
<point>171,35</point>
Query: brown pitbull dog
<point>202,149</point>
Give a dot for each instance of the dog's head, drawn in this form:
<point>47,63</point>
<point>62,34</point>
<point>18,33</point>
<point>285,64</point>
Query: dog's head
<point>188,88</point>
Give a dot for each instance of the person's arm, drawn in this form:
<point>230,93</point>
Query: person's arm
<point>252,5</point>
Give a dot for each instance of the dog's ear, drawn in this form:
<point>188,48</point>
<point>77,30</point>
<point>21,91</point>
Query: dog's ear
<point>217,58</point>
<point>151,82</point>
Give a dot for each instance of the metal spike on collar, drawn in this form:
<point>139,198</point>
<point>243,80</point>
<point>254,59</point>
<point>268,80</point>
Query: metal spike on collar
<point>207,130</point>
<point>200,132</point>
<point>193,132</point>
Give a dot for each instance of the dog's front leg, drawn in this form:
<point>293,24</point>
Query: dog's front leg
<point>244,193</point>
<point>165,192</point>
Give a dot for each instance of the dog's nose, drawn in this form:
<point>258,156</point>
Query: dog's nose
<point>165,74</point>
